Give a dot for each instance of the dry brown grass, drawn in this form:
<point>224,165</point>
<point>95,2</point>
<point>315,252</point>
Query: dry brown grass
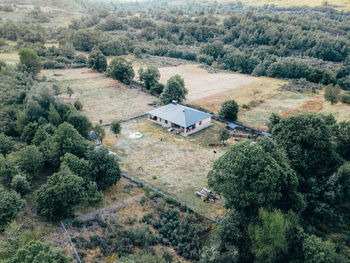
<point>103,98</point>
<point>177,165</point>
<point>11,58</point>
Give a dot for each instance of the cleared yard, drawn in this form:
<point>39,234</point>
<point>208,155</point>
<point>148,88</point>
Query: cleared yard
<point>103,98</point>
<point>176,164</point>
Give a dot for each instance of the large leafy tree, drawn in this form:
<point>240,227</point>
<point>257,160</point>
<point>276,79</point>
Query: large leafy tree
<point>10,205</point>
<point>58,198</point>
<point>30,159</point>
<point>229,110</point>
<point>30,60</point>
<point>38,252</point>
<point>174,90</point>
<point>318,251</point>
<point>6,144</point>
<point>81,123</point>
<point>149,77</point>
<point>256,175</point>
<point>97,60</point>
<point>332,93</point>
<point>104,167</point>
<point>341,132</point>
<point>69,140</point>
<point>121,69</point>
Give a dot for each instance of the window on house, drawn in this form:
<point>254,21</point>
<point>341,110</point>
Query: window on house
<point>166,122</point>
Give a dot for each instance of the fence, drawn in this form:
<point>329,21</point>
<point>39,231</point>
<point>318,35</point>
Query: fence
<point>71,243</point>
<point>127,119</point>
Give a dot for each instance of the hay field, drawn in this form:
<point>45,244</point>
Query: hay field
<point>178,165</point>
<point>103,98</point>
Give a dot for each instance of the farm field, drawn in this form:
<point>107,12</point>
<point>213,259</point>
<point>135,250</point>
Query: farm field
<point>262,96</point>
<point>103,98</point>
<point>177,165</point>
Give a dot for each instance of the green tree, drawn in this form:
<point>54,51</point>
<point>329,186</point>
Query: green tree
<point>30,60</point>
<point>81,123</point>
<point>342,178</point>
<point>70,92</point>
<point>318,251</point>
<point>104,167</point>
<point>40,136</point>
<point>269,243</point>
<point>69,140</point>
<point>20,184</point>
<point>10,205</point>
<point>341,133</point>
<point>6,144</point>
<point>256,175</point>
<point>8,169</point>
<point>100,132</point>
<point>121,69</point>
<point>224,135</point>
<point>29,132</point>
<point>115,127</point>
<point>331,93</point>
<point>174,90</point>
<point>11,241</point>
<point>51,151</point>
<point>58,198</point>
<point>229,110</point>
<point>149,77</point>
<point>97,60</point>
<point>30,160</point>
<point>215,49</point>
<point>54,117</point>
<point>38,252</point>
<point>78,105</point>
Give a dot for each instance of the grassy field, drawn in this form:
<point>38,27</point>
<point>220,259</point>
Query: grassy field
<point>178,165</point>
<point>103,98</point>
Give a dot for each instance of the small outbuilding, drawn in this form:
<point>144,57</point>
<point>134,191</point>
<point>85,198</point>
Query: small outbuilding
<point>180,119</point>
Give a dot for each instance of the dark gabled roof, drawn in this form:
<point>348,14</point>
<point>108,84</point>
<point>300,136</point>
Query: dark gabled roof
<point>179,114</point>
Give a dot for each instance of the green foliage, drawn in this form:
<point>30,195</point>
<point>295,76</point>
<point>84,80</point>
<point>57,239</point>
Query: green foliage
<point>40,136</point>
<point>174,90</point>
<point>78,105</point>
<point>30,60</point>
<point>341,132</point>
<point>100,132</point>
<point>215,49</point>
<point>54,117</point>
<point>121,69</point>
<point>332,93</point>
<point>269,236</point>
<point>318,251</point>
<point>29,132</point>
<point>104,167</point>
<point>81,123</point>
<point>345,98</point>
<point>140,258</point>
<point>115,127</point>
<point>69,140</point>
<point>256,175</point>
<point>97,60</point>
<point>149,77</point>
<point>229,110</point>
<point>20,184</point>
<point>58,198</point>
<point>30,160</point>
<point>11,241</point>
<point>10,205</point>
<point>224,135</point>
<point>38,252</point>
<point>8,169</point>
<point>70,91</point>
<point>85,40</point>
<point>6,144</point>
<point>342,179</point>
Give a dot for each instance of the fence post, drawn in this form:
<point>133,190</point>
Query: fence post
<point>71,243</point>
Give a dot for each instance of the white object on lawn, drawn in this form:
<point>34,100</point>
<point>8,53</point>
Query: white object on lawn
<point>136,135</point>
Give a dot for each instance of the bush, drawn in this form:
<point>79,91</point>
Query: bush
<point>78,105</point>
<point>121,69</point>
<point>345,98</point>
<point>229,110</point>
<point>20,184</point>
<point>10,205</point>
<point>115,127</point>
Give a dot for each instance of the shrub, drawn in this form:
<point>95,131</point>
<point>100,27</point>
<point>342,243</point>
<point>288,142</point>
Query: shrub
<point>345,98</point>
<point>20,184</point>
<point>78,105</point>
<point>229,110</point>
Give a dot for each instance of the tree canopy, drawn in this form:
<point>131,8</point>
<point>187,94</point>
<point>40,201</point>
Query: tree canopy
<point>174,90</point>
<point>121,69</point>
<point>30,60</point>
<point>229,110</point>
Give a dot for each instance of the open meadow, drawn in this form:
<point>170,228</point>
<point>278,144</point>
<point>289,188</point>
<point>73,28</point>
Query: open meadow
<point>103,98</point>
<point>178,165</point>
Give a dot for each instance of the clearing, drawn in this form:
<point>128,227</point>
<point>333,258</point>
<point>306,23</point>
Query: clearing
<point>177,165</point>
<point>103,98</point>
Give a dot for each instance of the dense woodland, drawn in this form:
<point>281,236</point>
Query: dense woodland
<point>287,196</point>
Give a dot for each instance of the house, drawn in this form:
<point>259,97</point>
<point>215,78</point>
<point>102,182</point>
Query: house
<point>180,119</point>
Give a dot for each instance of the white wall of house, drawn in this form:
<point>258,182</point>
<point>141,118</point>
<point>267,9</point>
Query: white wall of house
<point>200,126</point>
